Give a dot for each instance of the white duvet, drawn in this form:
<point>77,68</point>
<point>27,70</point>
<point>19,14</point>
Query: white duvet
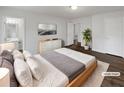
<point>52,77</point>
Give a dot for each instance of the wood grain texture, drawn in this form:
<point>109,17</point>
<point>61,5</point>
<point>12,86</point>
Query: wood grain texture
<point>80,80</point>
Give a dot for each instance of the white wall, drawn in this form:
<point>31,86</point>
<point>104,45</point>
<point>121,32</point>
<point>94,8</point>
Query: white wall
<point>100,30</point>
<point>95,22</point>
<point>107,33</point>
<point>31,25</point>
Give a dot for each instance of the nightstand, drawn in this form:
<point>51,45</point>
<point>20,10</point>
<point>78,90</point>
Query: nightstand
<point>4,77</point>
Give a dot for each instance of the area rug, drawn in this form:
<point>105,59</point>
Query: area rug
<point>95,80</point>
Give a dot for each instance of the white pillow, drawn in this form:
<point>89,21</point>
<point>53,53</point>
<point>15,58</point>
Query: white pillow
<point>22,73</point>
<point>35,67</point>
<point>17,54</point>
<point>26,54</point>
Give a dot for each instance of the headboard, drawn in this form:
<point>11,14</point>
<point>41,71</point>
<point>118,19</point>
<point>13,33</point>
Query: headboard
<point>7,46</point>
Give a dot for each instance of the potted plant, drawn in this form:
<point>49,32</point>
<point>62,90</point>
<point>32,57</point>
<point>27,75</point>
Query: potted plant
<point>87,38</point>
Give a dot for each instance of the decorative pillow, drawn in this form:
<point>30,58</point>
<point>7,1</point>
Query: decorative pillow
<point>17,54</point>
<point>26,54</point>
<point>23,73</point>
<point>7,64</point>
<point>34,67</point>
<point>8,56</point>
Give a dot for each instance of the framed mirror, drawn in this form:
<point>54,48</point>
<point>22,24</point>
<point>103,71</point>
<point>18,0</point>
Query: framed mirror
<point>13,32</point>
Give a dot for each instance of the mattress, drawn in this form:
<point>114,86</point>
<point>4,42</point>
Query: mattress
<point>53,77</point>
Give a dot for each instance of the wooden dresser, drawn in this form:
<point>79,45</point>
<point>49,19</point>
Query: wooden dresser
<point>48,45</point>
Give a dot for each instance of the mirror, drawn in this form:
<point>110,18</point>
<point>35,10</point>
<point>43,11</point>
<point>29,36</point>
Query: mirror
<point>14,32</point>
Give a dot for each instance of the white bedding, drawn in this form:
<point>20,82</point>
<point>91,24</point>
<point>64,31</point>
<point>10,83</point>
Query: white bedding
<point>84,58</point>
<point>52,77</point>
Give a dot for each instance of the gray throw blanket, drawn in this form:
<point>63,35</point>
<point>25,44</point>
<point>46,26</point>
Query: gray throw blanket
<point>70,67</point>
<point>6,60</point>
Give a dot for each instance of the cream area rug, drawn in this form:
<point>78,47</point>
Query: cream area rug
<point>95,80</point>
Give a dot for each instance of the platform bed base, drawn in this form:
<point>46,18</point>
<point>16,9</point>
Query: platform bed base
<point>80,80</point>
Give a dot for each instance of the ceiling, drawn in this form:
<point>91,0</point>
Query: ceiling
<point>66,12</point>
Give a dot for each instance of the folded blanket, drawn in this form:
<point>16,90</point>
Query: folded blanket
<point>70,67</point>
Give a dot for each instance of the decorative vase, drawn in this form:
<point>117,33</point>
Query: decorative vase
<point>86,47</point>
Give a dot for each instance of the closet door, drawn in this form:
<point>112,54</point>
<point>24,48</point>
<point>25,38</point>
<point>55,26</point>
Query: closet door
<point>123,39</point>
<point>70,33</point>
<point>113,35</point>
<point>0,29</point>
<point>2,32</point>
<point>98,33</point>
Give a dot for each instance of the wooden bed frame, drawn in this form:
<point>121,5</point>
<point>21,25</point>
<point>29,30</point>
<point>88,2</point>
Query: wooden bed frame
<point>80,79</point>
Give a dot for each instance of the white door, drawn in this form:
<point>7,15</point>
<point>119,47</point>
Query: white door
<point>123,38</point>
<point>98,33</point>
<point>113,35</point>
<point>0,30</point>
<point>70,33</point>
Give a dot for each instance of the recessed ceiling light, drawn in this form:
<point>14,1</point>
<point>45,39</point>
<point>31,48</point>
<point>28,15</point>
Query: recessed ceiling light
<point>73,7</point>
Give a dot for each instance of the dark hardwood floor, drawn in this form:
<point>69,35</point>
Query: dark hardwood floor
<point>116,65</point>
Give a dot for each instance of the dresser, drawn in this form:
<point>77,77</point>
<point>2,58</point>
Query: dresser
<point>49,45</point>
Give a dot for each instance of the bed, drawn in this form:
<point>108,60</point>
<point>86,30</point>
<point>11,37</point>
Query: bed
<point>63,67</point>
<point>61,74</point>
